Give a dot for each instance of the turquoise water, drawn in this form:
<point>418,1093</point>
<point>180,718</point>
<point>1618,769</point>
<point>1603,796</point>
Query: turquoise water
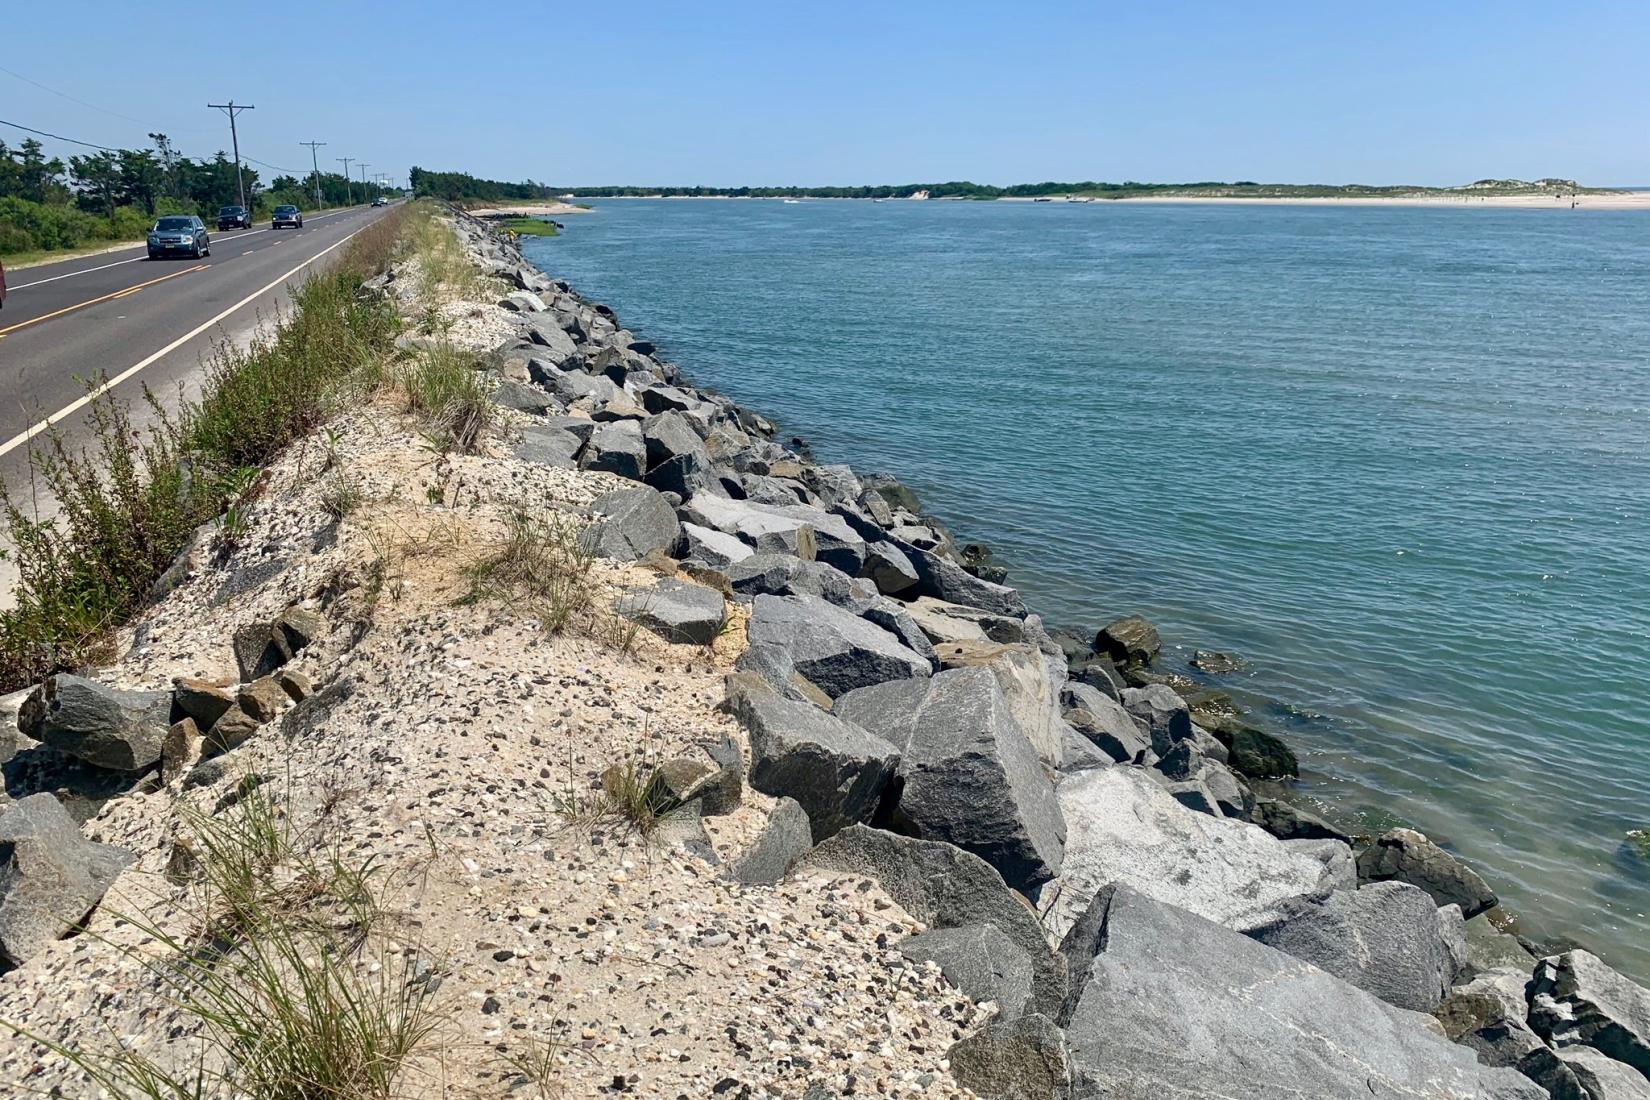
<point>1398,459</point>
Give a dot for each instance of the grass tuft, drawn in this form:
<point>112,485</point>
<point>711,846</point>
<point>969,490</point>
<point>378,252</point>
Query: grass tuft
<point>445,388</point>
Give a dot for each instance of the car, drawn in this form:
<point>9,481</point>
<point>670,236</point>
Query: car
<point>286,215</point>
<point>2,285</point>
<point>179,233</point>
<point>234,217</point>
<point>380,201</point>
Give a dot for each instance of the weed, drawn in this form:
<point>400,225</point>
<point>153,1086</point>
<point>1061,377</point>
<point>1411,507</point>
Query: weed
<point>445,388</point>
<point>538,1062</point>
<point>340,496</point>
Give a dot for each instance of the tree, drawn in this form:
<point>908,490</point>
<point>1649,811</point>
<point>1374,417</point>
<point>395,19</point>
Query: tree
<point>98,178</point>
<point>142,179</point>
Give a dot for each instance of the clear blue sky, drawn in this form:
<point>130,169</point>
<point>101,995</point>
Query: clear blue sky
<point>745,92</point>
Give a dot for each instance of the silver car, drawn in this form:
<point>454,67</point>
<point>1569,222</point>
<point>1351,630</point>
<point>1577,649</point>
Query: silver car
<point>183,233</point>
<point>288,216</point>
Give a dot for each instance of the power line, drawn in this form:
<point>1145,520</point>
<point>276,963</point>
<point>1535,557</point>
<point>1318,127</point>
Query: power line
<point>70,98</point>
<point>59,137</point>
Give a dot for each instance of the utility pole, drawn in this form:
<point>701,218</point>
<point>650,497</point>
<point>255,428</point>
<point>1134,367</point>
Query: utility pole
<point>315,165</point>
<point>232,109</point>
<point>364,167</point>
<point>349,199</point>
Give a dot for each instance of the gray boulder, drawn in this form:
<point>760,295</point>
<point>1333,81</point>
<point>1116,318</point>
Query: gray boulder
<point>1385,939</point>
<point>104,726</point>
<point>888,709</point>
<point>946,887</point>
<point>784,842</point>
<point>833,769</point>
<point>1576,1000</point>
<point>523,397</point>
<point>1122,827</point>
<point>836,543</point>
<point>634,523</point>
<point>892,617</point>
<point>548,447</point>
<point>946,580</point>
<point>675,610</point>
<point>1488,1015</point>
<point>1022,1058</point>
<point>763,530</point>
<point>1164,713</point>
<point>1288,821</point>
<point>668,435</point>
<point>888,568</point>
<point>1489,948</point>
<point>1173,1005</point>
<point>1023,674</point>
<point>712,548</point>
<point>979,960</point>
<point>543,329</point>
<point>617,448</point>
<point>1110,728</point>
<point>1582,1073</point>
<point>1407,856</point>
<point>954,622</point>
<point>834,649</point>
<point>1129,641</point>
<point>971,778</point>
<point>50,876</point>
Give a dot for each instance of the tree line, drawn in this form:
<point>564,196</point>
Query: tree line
<point>461,186</point>
<point>48,204</point>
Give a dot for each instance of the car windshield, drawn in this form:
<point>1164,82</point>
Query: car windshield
<point>173,223</point>
<point>229,210</point>
<point>286,210</point>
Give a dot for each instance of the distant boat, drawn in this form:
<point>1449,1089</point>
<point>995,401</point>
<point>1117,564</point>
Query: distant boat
<point>794,202</point>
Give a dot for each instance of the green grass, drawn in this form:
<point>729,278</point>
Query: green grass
<point>448,391</point>
<point>530,227</point>
<point>131,500</point>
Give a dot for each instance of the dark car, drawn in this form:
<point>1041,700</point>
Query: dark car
<point>234,217</point>
<point>179,233</point>
<point>286,215</point>
<point>380,201</point>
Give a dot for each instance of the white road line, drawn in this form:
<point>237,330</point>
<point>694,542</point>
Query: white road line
<point>81,402</point>
<point>135,259</point>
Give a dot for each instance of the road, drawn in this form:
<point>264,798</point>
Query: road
<point>136,321</point>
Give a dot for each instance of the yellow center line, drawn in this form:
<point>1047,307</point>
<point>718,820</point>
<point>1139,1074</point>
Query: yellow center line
<point>102,298</point>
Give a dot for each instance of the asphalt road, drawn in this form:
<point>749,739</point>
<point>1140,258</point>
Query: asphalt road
<point>136,321</point>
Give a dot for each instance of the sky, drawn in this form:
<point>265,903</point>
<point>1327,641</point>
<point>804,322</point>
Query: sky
<point>771,93</point>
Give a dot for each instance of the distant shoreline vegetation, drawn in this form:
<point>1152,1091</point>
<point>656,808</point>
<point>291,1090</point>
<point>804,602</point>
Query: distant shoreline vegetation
<point>1100,190</point>
<point>460,186</point>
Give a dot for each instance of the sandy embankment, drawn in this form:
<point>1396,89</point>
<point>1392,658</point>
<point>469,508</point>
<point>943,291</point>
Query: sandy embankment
<point>529,209</point>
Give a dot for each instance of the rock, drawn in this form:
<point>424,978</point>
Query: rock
<point>769,573</point>
<point>1106,725</point>
<point>523,301</point>
<point>1287,821</point>
<point>104,726</point>
<point>971,778</point>
<point>1489,948</point>
<point>262,699</point>
<point>576,426</point>
<point>1340,865</point>
<point>836,543</point>
<point>1014,1059</point>
<point>1487,1014</point>
<point>1023,675</point>
<point>1453,929</point>
<point>753,525</point>
<point>1256,753</point>
<point>889,569</point>
<point>669,435</point>
<point>891,616</point>
<point>181,750</point>
<point>261,648</point>
<point>296,629</point>
<point>784,842</point>
<point>834,769</point>
<point>1129,641</point>
<point>1100,674</point>
<point>1582,1073</point>
<point>523,397</point>
<point>954,622</point>
<point>711,547</point>
<point>543,329</point>
<point>1122,827</point>
<point>888,709</point>
<point>548,447</point>
<point>946,887</point>
<point>1214,662</point>
<point>946,580</point>
<point>1173,1005</point>
<point>1385,939</point>
<point>296,685</point>
<point>1575,1000</point>
<point>634,523</point>
<point>617,448</point>
<point>675,610</point>
<point>1407,856</point>
<point>202,700</point>
<point>834,649</point>
<point>1164,713</point>
<point>979,960</point>
<point>50,876</point>
<point>230,731</point>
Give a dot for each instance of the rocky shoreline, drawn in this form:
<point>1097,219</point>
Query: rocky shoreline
<point>1076,839</point>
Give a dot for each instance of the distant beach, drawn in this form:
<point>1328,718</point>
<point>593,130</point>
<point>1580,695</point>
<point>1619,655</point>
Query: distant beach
<point>1623,200</point>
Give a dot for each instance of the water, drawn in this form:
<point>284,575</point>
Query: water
<point>1396,458</point>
